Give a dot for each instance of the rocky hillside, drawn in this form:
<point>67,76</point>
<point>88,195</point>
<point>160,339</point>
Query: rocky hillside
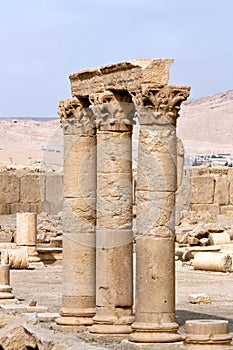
<point>206,124</point>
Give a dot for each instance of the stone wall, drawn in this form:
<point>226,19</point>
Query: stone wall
<point>207,189</point>
<point>30,192</point>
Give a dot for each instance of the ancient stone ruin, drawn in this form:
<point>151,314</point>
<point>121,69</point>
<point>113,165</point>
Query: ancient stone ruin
<point>98,122</point>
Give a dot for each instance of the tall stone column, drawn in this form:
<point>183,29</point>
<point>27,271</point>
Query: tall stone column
<point>79,185</point>
<point>114,275</point>
<point>156,186</point>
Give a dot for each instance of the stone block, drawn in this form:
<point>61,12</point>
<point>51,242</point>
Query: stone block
<point>36,208</point>
<point>221,195</point>
<point>226,210</point>
<point>19,208</point>
<point>54,193</point>
<point>202,190</point>
<point>30,189</point>
<point>210,208</point>
<point>9,189</point>
<point>200,298</point>
<point>4,209</point>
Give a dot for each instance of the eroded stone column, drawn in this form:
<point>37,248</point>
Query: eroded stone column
<point>79,185</point>
<point>26,234</point>
<point>155,200</point>
<point>114,275</point>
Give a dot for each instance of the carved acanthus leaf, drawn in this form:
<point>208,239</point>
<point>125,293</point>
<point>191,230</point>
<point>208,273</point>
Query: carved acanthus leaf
<point>111,108</point>
<point>73,112</point>
<point>166,101</point>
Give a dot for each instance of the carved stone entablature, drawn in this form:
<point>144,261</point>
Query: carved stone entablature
<point>113,110</point>
<point>75,116</point>
<point>165,100</point>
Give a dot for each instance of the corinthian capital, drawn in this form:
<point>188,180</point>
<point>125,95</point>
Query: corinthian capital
<point>75,116</point>
<point>165,100</point>
<point>113,110</point>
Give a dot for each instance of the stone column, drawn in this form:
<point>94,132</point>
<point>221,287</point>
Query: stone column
<point>26,232</point>
<point>6,295</point>
<point>114,275</point>
<point>155,199</point>
<point>79,185</point>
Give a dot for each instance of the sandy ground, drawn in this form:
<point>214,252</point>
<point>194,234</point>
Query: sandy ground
<point>45,285</point>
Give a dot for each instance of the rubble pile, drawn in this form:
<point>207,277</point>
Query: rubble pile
<point>49,229</point>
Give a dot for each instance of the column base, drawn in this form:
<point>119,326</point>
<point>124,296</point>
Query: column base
<point>74,321</point>
<point>111,329</point>
<point>155,333</point>
<point>33,255</point>
<point>76,317</point>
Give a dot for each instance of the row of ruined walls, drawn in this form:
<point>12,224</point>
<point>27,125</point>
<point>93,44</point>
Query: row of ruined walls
<point>206,189</point>
<point>23,191</point>
<point>202,189</point>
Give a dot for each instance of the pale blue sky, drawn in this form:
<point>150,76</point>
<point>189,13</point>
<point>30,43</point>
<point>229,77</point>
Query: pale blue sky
<point>43,41</point>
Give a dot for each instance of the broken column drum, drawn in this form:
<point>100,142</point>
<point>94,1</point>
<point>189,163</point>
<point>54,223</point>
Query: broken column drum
<point>115,92</point>
<point>26,234</point>
<point>26,229</point>
<point>79,185</point>
<point>155,215</point>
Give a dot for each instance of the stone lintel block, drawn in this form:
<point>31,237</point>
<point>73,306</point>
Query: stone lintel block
<point>128,75</point>
<point>221,195</point>
<point>9,189</point>
<point>30,189</point>
<point>202,190</point>
<point>210,208</point>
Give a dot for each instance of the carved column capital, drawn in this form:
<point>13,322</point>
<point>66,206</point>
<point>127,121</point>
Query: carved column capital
<point>113,110</point>
<point>164,100</point>
<point>74,114</point>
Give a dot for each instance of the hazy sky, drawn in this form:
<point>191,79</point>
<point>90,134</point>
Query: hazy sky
<point>43,41</point>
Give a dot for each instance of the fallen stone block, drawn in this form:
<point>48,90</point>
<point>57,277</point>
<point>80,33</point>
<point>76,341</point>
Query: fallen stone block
<point>12,308</point>
<point>200,298</point>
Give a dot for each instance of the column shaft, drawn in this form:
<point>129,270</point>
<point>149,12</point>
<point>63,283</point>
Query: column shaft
<point>155,269</point>
<point>114,274</point>
<point>79,185</point>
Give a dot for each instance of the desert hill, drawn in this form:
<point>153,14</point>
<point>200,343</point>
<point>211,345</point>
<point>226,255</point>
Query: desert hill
<point>205,126</point>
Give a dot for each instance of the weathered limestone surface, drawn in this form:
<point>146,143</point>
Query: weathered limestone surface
<point>114,254</point>
<point>207,334</point>
<point>127,76</point>
<point>79,212</point>
<point>111,96</point>
<point>156,188</point>
<point>26,229</point>
<point>22,191</point>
